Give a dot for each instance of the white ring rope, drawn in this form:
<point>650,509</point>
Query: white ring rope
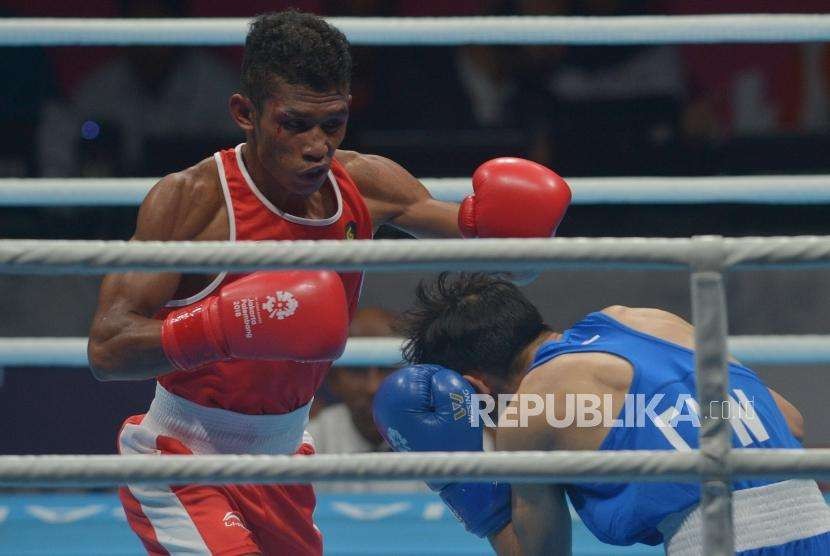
<point>744,28</point>
<point>71,352</point>
<point>784,189</point>
<point>517,467</point>
<point>97,257</point>
<point>386,352</point>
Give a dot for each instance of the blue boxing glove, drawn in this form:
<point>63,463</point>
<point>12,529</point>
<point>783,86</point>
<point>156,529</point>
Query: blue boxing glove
<point>426,408</point>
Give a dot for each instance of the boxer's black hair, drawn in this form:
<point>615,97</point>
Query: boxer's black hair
<point>469,322</point>
<point>297,48</point>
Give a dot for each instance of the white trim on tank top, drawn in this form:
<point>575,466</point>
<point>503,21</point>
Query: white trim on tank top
<point>290,217</point>
<point>226,192</point>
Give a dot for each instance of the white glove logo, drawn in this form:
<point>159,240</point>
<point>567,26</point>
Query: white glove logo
<point>459,404</point>
<point>232,519</point>
<point>397,440</point>
<point>281,305</point>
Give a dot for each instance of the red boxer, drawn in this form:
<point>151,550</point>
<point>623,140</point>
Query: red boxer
<point>238,357</point>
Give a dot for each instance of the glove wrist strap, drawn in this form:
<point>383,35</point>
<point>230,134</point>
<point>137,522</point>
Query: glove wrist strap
<point>188,338</point>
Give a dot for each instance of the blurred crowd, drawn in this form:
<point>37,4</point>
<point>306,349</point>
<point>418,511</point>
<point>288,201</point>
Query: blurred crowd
<point>587,110</point>
<point>145,110</point>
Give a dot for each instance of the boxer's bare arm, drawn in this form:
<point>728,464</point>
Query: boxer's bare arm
<point>541,520</point>
<point>396,197</point>
<point>505,542</point>
<point>125,339</point>
<point>541,523</point>
<point>793,417</point>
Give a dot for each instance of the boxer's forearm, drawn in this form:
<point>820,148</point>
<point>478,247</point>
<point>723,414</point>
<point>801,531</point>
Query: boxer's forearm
<point>129,350</point>
<point>505,542</point>
<point>429,218</point>
<point>395,197</point>
<point>541,523</point>
<point>125,339</point>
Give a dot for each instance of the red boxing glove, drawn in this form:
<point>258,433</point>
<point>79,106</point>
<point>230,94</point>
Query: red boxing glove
<point>513,197</point>
<point>292,315</point>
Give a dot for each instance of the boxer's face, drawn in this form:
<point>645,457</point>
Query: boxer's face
<point>297,132</point>
<point>357,386</point>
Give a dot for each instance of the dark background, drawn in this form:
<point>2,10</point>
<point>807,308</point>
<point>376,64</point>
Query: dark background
<point>585,111</point>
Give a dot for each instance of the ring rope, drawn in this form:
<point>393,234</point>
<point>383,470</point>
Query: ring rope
<point>783,189</point>
<point>97,257</point>
<point>707,256</point>
<point>779,28</point>
<point>515,467</point>
<point>386,352</point>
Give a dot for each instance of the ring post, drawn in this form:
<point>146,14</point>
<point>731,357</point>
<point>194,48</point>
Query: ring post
<point>710,321</point>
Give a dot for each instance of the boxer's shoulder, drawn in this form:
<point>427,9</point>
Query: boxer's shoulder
<point>617,311</point>
<point>633,315</point>
<point>373,174</point>
<point>364,169</point>
<point>356,161</point>
<point>385,185</point>
<point>182,205</point>
<point>654,322</point>
<point>561,374</point>
<point>348,158</point>
<point>579,373</point>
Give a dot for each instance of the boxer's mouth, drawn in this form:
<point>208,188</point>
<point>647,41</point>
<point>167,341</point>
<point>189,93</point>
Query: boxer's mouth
<point>314,174</point>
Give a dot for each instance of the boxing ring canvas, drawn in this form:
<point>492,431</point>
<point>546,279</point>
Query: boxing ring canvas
<point>352,525</point>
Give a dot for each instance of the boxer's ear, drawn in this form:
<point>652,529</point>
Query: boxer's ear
<point>242,111</point>
<point>479,384</point>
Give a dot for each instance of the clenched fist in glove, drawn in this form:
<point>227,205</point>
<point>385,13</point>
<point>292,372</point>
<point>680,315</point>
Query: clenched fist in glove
<point>291,315</point>
<point>427,408</point>
<point>513,197</point>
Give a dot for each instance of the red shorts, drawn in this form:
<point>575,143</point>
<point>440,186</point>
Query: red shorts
<point>221,519</point>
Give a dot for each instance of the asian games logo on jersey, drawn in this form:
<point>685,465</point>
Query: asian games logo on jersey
<point>281,305</point>
<point>350,232</point>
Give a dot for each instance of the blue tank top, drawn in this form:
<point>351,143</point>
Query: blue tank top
<point>625,513</point>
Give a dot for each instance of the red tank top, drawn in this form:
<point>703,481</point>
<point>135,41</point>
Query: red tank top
<point>269,387</point>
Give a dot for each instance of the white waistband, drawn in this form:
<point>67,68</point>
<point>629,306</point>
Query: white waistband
<point>763,516</point>
<point>210,430</point>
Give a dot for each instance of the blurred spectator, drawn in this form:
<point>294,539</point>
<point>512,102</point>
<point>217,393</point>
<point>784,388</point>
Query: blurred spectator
<point>486,74</point>
<point>71,63</point>
<point>29,82</point>
<point>596,106</point>
<point>752,89</point>
<point>246,8</point>
<point>115,115</point>
<point>486,78</point>
<point>815,115</point>
<point>394,87</point>
<point>348,427</point>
